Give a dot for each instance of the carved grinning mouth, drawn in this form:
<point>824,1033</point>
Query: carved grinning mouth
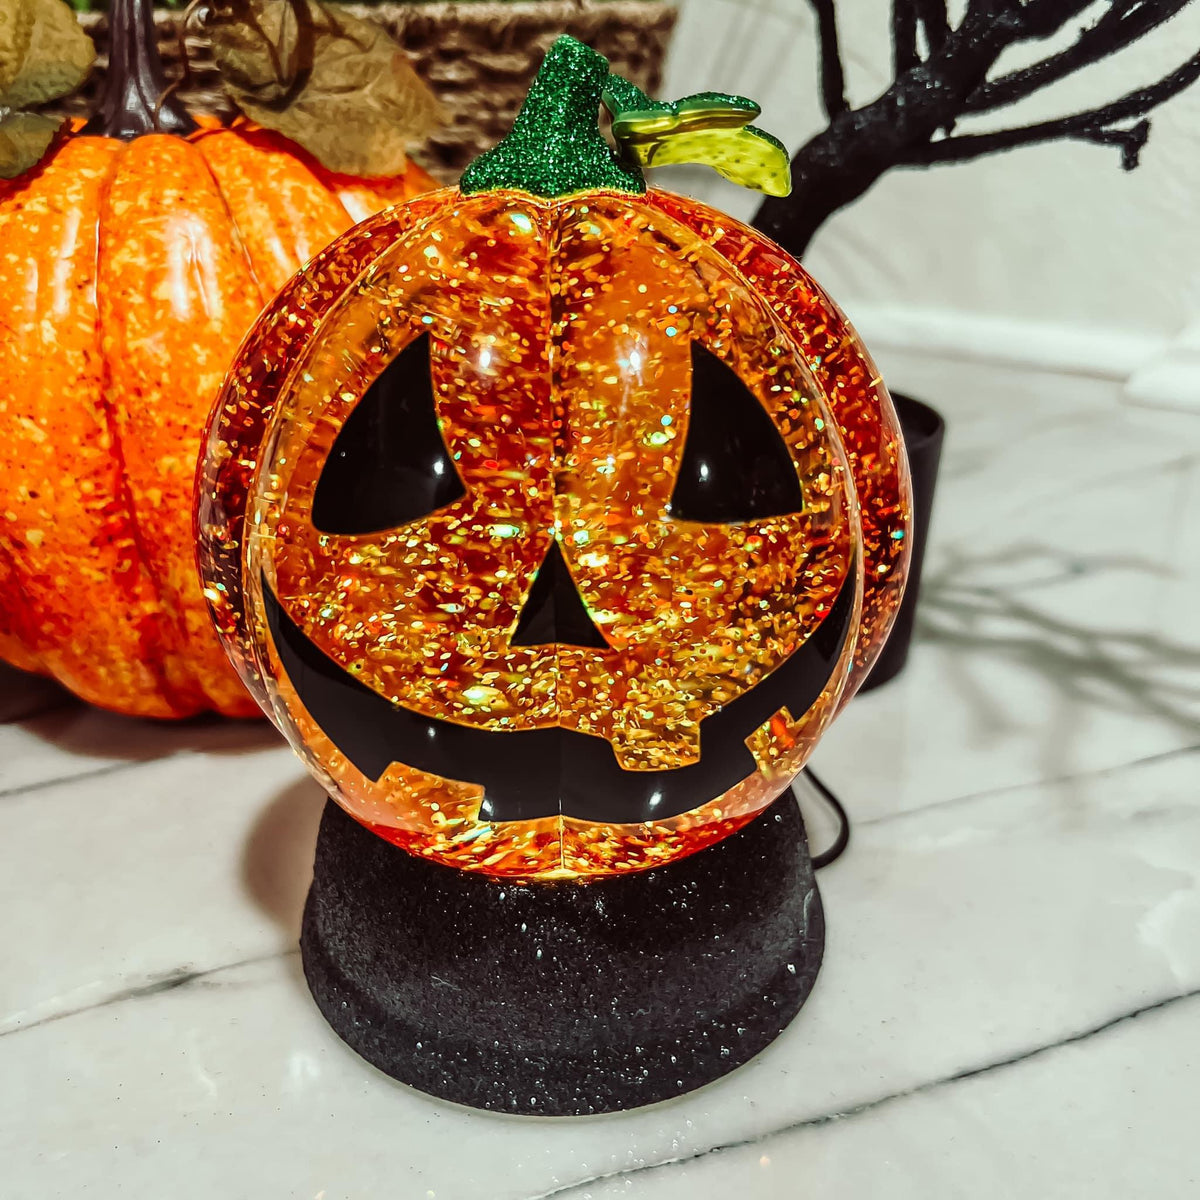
<point>526,774</point>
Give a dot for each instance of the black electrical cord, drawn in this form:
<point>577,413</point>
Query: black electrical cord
<point>842,840</point>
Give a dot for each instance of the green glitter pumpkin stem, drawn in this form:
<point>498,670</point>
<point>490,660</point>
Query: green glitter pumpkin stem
<point>556,147</point>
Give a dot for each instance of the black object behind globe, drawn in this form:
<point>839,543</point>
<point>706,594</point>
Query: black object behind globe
<point>563,998</point>
<point>924,431</point>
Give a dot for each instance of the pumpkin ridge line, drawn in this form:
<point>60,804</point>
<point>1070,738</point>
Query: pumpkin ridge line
<point>155,647</point>
<point>34,637</point>
<point>179,618</point>
<point>731,227</point>
<point>450,199</point>
<point>653,200</point>
<point>8,572</point>
<point>14,626</point>
<point>239,236</point>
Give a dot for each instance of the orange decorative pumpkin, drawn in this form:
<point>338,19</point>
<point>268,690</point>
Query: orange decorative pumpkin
<point>553,517</point>
<point>133,263</point>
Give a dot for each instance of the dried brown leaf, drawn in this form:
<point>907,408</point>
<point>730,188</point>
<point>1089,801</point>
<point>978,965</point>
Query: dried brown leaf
<point>16,28</point>
<point>53,60</point>
<point>262,47</point>
<point>339,86</point>
<point>24,140</point>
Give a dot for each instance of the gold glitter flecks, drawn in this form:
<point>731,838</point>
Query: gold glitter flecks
<point>865,419</point>
<point>560,357</point>
<point>239,420</point>
<point>428,619</point>
<point>655,739</point>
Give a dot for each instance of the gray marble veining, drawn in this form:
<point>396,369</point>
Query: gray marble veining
<point>1010,1001</point>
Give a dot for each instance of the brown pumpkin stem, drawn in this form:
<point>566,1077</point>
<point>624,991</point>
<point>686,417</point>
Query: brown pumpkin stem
<point>136,96</point>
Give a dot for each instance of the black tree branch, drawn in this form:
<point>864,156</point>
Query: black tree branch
<point>833,78</point>
<point>1042,18</point>
<point>1122,25</point>
<point>926,98</point>
<point>904,36</point>
<point>846,158</point>
<point>1095,125</point>
<point>1130,141</point>
<point>934,22</point>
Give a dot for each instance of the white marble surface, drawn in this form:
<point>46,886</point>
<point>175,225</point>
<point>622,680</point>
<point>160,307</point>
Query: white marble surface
<point>1010,1000</point>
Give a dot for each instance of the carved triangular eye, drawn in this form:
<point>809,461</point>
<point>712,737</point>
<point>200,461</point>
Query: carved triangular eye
<point>735,465</point>
<point>389,464</point>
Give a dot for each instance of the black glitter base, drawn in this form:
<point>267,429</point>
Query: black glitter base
<point>563,998</point>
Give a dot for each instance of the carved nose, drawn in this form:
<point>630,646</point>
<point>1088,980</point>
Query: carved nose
<point>555,612</point>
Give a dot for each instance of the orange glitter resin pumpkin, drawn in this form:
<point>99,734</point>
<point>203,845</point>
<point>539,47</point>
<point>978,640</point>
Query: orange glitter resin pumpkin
<point>553,529</point>
<point>130,271</point>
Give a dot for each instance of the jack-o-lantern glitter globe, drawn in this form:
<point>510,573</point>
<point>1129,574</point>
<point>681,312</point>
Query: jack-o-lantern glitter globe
<point>553,518</point>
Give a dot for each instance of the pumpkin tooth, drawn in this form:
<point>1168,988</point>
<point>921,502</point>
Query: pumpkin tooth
<point>647,739</point>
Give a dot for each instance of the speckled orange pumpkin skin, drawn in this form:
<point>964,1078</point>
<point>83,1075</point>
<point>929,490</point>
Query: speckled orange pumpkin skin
<point>129,273</point>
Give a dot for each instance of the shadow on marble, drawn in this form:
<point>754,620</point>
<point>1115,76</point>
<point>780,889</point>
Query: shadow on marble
<point>277,861</point>
<point>1126,669</point>
<point>23,695</point>
<point>46,710</point>
<point>78,729</point>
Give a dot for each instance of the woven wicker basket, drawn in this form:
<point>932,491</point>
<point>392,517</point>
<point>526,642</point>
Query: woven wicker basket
<point>478,56</point>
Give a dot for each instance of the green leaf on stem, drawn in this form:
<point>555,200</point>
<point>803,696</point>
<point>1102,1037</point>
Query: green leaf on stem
<point>712,128</point>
